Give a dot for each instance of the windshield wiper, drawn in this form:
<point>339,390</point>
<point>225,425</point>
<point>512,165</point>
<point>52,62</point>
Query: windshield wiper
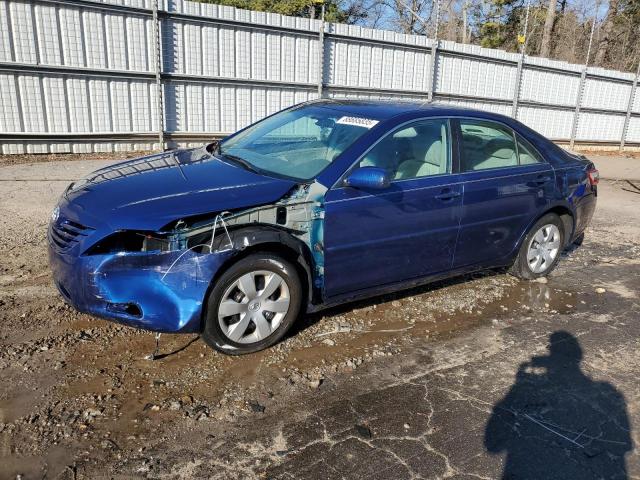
<point>239,160</point>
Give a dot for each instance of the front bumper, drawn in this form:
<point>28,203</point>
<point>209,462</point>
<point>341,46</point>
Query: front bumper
<point>162,292</point>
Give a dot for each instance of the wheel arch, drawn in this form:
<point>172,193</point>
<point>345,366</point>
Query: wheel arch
<point>269,239</point>
<point>566,217</point>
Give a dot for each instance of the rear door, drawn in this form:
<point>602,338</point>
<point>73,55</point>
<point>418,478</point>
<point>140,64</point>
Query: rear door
<point>407,230</point>
<point>506,183</point>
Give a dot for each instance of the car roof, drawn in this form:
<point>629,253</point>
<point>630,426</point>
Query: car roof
<point>384,109</point>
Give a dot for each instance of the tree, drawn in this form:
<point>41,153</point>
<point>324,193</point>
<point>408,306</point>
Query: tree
<point>493,27</point>
<point>549,23</point>
<point>607,33</point>
<point>501,23</point>
<point>335,10</point>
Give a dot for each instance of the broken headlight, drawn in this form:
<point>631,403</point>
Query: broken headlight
<point>132,241</point>
<point>201,237</point>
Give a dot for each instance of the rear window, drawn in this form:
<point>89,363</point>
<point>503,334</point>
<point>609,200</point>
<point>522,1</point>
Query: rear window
<point>487,144</point>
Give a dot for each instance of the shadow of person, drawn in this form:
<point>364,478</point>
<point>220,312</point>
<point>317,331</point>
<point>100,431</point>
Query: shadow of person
<point>556,422</point>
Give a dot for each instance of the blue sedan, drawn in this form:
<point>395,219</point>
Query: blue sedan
<point>320,204</point>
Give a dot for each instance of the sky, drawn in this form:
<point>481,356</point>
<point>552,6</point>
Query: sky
<point>386,14</point>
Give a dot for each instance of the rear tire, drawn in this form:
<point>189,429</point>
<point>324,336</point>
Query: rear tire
<point>252,305</point>
<point>540,249</point>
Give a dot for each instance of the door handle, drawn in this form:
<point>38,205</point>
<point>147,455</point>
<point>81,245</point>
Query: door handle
<point>542,179</point>
<point>446,196</point>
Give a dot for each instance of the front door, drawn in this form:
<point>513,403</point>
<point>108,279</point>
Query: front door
<point>408,230</point>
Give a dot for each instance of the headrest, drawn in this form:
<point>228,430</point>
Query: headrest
<point>433,155</point>
<point>500,148</point>
<point>406,133</point>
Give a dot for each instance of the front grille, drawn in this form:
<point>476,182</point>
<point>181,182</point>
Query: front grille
<point>65,233</point>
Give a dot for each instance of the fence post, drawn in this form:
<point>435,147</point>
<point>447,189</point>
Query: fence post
<point>434,55</point>
<point>627,119</point>
<point>321,53</point>
<point>576,113</point>
<point>516,93</point>
<point>522,39</point>
<point>583,78</point>
<point>157,54</point>
<point>432,70</point>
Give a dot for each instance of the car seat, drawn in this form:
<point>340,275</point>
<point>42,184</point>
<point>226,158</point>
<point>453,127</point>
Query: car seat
<point>498,152</point>
<point>429,156</point>
<point>386,154</point>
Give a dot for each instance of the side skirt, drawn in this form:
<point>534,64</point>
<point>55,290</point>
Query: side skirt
<point>398,286</point>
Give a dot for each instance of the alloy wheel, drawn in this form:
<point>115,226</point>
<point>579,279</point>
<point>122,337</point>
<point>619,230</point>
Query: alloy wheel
<point>543,248</point>
<point>253,306</point>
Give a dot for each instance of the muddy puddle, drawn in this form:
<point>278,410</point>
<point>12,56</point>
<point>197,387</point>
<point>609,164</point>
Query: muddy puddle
<point>337,340</point>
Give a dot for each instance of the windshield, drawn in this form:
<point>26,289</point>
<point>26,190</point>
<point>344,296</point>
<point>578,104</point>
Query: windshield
<point>297,143</point>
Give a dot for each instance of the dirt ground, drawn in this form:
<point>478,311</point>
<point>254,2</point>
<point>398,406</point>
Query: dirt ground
<point>477,377</point>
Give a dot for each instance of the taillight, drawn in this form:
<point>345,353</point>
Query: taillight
<point>594,176</point>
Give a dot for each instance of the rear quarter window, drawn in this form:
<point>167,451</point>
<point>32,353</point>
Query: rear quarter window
<point>527,154</point>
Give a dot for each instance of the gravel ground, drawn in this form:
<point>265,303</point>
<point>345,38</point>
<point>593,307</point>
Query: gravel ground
<point>402,386</point>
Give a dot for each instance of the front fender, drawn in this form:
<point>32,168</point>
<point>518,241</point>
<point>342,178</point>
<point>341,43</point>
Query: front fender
<point>263,237</point>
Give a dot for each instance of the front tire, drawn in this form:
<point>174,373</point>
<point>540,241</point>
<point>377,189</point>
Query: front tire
<point>541,248</point>
<point>578,240</point>
<point>252,305</point>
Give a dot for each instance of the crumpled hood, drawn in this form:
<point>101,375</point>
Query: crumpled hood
<point>149,192</point>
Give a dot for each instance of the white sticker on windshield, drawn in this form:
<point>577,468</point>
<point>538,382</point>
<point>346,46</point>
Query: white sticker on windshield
<point>357,121</point>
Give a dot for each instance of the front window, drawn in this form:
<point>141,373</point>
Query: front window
<point>297,143</point>
<point>420,149</point>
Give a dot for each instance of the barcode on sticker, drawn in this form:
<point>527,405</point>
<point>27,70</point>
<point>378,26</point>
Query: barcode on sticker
<point>357,121</point>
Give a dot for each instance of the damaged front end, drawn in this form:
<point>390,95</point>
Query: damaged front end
<point>159,280</point>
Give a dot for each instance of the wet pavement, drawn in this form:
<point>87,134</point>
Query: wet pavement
<point>484,376</point>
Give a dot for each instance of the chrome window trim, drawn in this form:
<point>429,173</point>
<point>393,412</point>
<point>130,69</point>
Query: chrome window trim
<point>339,184</point>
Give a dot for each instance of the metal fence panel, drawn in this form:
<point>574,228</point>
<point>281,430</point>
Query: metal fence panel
<point>556,123</point>
<point>6,40</point>
<point>549,87</point>
<point>633,135</point>
<point>636,101</point>
<point>80,75</point>
<point>607,95</point>
<point>72,36</point>
<point>10,109</point>
<point>502,109</point>
<point>475,77</point>
<point>364,95</point>
<point>203,108</point>
<point>601,126</point>
<point>391,67</point>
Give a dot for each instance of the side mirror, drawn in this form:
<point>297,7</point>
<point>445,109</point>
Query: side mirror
<point>368,178</point>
